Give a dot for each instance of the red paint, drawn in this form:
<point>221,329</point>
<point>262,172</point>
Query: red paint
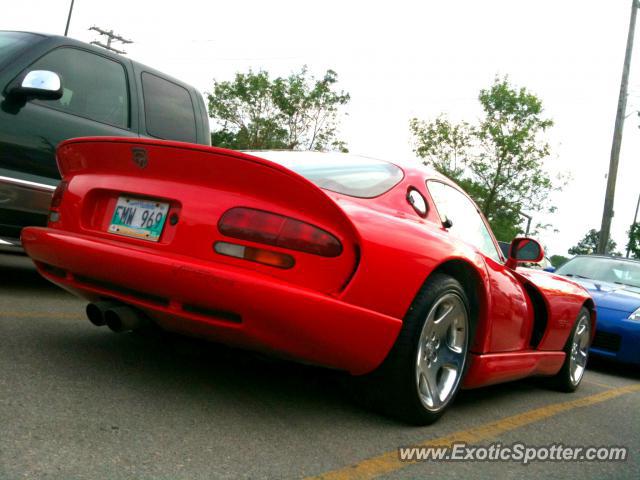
<point>342,311</point>
<point>494,368</point>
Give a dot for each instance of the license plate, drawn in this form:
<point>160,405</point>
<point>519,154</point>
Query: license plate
<point>139,218</point>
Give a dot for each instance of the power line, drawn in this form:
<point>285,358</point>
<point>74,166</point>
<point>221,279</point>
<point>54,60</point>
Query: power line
<point>111,37</point>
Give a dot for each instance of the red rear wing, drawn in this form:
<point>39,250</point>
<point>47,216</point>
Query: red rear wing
<point>200,184</point>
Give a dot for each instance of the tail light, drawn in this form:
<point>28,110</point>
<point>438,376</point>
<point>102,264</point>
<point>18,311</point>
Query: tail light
<point>258,255</point>
<point>56,200</point>
<point>277,230</point>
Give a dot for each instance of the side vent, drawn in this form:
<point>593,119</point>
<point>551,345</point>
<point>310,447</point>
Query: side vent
<point>539,315</point>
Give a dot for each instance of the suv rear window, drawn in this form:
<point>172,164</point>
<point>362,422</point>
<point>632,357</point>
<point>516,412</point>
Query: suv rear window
<point>351,175</point>
<point>168,109</point>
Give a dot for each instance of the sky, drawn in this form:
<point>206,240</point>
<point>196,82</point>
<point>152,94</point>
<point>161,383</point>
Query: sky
<point>405,59</point>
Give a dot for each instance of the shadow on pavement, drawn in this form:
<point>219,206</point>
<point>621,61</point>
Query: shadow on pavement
<point>159,366</point>
<point>17,272</point>
<point>616,369</point>
<point>162,367</point>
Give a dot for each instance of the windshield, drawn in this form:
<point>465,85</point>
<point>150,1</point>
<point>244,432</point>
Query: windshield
<point>346,174</point>
<point>603,269</point>
<point>12,43</point>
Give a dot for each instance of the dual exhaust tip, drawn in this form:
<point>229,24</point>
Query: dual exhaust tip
<point>116,316</point>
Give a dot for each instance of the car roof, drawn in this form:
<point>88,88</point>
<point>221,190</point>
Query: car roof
<point>62,40</point>
<point>609,257</point>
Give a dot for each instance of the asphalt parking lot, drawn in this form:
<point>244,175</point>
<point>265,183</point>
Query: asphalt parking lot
<point>79,402</point>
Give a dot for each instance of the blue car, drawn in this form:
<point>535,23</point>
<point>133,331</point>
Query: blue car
<point>614,284</point>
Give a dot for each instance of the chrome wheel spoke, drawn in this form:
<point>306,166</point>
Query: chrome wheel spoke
<point>444,321</point>
<point>444,316</point>
<point>450,358</point>
<point>581,358</point>
<point>433,388</point>
<point>584,341</point>
<point>428,388</point>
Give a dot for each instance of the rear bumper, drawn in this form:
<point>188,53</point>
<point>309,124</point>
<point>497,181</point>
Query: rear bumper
<point>22,203</point>
<point>230,305</point>
<point>10,245</point>
<point>24,195</point>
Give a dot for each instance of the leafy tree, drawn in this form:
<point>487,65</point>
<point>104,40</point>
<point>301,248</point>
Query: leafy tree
<point>499,160</point>
<point>442,144</point>
<point>298,112</point>
<point>589,244</point>
<point>558,260</point>
<point>634,240</point>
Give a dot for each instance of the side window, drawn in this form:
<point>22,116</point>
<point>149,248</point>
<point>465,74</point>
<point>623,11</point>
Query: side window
<point>95,87</point>
<point>467,224</point>
<point>168,109</point>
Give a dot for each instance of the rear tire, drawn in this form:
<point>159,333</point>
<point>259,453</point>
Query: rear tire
<point>423,372</point>
<point>577,353</point>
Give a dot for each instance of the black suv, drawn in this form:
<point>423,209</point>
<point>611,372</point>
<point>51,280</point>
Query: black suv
<point>53,88</point>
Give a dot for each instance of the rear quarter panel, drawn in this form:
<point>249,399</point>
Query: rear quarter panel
<point>400,249</point>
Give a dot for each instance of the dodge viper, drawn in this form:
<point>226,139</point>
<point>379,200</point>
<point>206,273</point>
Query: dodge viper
<point>614,284</point>
<point>386,270</point>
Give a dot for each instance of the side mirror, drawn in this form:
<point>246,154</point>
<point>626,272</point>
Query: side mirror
<point>524,250</point>
<point>41,84</point>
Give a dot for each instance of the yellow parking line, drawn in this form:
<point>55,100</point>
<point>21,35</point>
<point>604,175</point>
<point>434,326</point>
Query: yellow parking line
<point>388,462</point>
<point>41,315</point>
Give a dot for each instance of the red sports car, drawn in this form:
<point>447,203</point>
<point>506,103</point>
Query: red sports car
<point>388,271</point>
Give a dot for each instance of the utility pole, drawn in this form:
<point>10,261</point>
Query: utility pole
<point>66,30</point>
<point>607,213</point>
<point>111,37</point>
<point>529,218</point>
<point>635,220</point>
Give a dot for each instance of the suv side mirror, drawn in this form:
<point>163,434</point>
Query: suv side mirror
<point>524,250</point>
<point>41,84</point>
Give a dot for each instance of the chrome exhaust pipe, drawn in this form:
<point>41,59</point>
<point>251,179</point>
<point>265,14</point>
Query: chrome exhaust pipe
<point>121,318</point>
<point>96,311</point>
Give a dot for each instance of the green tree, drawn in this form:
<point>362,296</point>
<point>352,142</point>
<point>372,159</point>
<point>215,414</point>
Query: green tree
<point>589,244</point>
<point>558,260</point>
<point>442,144</point>
<point>634,240</point>
<point>499,160</point>
<point>297,112</point>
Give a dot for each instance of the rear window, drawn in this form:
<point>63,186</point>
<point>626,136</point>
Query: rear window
<point>342,173</point>
<point>168,109</point>
<point>12,43</point>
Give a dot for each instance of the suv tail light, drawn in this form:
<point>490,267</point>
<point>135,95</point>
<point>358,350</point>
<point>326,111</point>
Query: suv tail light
<point>56,200</point>
<point>58,194</point>
<point>277,230</point>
